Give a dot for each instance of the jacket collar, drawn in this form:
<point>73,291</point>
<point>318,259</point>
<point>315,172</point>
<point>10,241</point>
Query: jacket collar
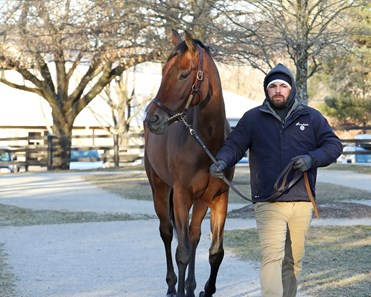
<point>295,108</point>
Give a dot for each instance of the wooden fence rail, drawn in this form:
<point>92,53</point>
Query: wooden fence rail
<point>41,154</point>
<point>38,150</point>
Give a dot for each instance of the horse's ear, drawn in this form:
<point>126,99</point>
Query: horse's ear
<point>190,43</point>
<point>175,37</point>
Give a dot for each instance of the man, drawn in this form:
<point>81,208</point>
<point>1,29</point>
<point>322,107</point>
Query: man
<point>279,131</point>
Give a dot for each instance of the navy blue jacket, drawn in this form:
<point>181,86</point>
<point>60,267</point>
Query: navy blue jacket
<point>273,142</point>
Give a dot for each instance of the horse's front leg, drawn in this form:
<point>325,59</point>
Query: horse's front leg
<point>198,213</point>
<point>161,198</point>
<point>166,233</point>
<point>218,214</point>
<point>182,205</point>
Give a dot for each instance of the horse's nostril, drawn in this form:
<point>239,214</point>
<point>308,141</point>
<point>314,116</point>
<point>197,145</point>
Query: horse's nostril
<point>154,119</point>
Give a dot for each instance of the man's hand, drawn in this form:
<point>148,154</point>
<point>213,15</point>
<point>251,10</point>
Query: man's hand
<point>302,162</point>
<point>216,169</point>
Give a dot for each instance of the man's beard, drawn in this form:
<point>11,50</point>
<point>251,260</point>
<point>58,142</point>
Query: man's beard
<point>278,105</point>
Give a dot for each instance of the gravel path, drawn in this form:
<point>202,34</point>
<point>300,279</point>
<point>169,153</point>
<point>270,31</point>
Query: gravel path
<point>105,259</point>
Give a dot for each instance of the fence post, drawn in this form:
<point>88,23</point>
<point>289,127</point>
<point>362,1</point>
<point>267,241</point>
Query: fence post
<point>50,152</point>
<point>116,156</point>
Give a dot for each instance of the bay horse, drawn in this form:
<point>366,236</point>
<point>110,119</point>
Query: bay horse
<point>177,167</point>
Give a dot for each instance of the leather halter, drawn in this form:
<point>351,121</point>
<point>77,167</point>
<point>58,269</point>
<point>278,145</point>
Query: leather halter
<point>176,116</point>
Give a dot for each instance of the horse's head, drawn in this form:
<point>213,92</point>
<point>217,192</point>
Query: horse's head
<point>181,86</point>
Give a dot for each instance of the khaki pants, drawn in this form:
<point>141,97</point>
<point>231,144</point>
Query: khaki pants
<point>282,228</point>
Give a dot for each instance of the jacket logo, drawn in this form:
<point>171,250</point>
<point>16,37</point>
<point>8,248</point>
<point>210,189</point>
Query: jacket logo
<point>302,126</point>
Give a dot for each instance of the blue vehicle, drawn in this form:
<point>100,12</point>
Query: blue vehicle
<point>358,153</point>
<point>6,157</point>
<point>85,159</point>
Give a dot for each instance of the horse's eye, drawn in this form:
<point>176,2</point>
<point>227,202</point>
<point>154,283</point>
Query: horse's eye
<point>184,75</point>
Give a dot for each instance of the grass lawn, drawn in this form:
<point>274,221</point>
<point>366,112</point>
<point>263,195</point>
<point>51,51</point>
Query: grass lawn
<point>7,278</point>
<point>336,264</point>
<point>136,186</point>
<point>18,216</point>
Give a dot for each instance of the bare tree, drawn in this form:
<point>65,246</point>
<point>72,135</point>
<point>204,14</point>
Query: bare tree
<point>265,32</point>
<point>347,77</point>
<point>47,41</point>
<point>126,104</point>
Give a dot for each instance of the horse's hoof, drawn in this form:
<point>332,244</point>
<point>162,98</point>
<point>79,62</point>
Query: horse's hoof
<point>203,294</point>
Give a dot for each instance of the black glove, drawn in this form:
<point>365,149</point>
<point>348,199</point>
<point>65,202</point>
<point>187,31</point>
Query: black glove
<point>218,168</point>
<point>302,162</point>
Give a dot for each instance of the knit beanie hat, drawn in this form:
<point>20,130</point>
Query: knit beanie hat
<point>279,77</point>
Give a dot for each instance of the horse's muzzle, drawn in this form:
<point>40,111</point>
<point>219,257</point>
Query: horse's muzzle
<point>156,122</point>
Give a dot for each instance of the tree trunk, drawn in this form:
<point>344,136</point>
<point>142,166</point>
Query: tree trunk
<point>61,145</point>
<point>301,51</point>
<point>301,82</point>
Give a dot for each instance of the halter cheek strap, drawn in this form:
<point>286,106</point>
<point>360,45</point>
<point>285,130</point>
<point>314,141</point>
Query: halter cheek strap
<point>199,79</point>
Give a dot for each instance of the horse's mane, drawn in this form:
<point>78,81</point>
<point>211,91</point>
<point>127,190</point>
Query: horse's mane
<point>182,47</point>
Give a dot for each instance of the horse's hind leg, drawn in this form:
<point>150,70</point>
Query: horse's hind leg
<point>218,213</point>
<point>161,198</point>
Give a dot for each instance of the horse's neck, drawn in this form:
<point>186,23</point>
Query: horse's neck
<point>209,116</point>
